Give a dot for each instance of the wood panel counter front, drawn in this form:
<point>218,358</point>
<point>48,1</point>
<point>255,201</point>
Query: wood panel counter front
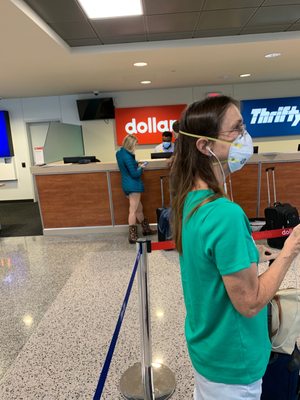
<point>249,185</point>
<point>90,195</point>
<point>76,196</point>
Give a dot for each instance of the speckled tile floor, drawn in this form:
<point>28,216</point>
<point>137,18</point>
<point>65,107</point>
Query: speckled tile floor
<point>60,300</point>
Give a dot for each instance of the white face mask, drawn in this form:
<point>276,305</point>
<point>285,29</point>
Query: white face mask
<point>241,149</point>
<point>166,145</point>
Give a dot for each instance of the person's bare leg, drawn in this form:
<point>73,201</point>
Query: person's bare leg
<point>139,213</point>
<point>134,201</point>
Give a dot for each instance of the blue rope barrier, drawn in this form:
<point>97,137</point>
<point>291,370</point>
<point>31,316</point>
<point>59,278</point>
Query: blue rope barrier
<point>109,355</point>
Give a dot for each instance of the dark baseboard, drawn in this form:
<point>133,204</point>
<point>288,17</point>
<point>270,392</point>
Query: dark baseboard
<point>17,201</point>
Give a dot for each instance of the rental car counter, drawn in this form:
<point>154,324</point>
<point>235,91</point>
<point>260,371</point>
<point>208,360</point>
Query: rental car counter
<point>83,198</point>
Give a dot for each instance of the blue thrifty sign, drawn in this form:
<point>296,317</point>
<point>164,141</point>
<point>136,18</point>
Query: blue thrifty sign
<point>272,117</point>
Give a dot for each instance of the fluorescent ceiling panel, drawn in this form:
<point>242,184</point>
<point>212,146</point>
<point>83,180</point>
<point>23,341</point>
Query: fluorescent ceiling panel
<point>97,9</point>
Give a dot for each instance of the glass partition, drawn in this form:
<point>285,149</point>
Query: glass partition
<point>63,140</point>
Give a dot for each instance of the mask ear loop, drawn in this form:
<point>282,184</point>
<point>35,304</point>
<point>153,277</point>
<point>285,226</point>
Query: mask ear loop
<point>221,168</point>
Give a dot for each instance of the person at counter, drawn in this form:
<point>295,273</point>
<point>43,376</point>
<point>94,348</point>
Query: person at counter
<point>133,187</point>
<point>175,129</point>
<point>166,145</point>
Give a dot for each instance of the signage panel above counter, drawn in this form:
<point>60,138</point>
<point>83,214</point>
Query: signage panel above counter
<point>272,117</point>
<point>146,123</point>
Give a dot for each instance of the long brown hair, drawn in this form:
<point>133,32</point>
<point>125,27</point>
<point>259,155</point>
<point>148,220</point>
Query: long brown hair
<point>200,118</point>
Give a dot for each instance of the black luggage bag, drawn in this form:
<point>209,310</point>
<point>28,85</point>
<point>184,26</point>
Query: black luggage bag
<point>163,215</point>
<point>281,379</point>
<point>279,215</point>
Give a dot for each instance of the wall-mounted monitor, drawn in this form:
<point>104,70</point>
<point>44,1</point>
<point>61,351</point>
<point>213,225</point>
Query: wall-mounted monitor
<point>6,145</point>
<point>298,147</point>
<point>255,149</point>
<point>90,109</point>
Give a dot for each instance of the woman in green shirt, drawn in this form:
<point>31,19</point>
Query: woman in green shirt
<point>226,318</point>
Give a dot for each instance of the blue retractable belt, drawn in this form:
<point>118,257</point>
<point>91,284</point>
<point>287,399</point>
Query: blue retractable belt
<point>114,339</point>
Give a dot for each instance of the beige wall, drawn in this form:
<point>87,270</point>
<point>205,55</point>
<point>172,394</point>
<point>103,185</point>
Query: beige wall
<point>99,136</point>
<point>287,145</point>
<point>100,140</point>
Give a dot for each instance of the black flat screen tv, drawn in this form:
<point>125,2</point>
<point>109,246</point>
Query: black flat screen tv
<point>6,145</point>
<point>90,109</point>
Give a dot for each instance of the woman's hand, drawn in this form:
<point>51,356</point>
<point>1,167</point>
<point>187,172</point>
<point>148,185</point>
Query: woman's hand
<point>292,243</point>
<point>143,164</point>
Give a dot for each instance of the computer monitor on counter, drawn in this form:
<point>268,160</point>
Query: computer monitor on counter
<point>166,154</point>
<point>80,159</point>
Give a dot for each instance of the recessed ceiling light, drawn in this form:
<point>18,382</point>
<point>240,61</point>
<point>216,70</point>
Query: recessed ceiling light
<point>145,82</point>
<point>244,75</point>
<point>97,9</point>
<point>272,55</point>
<point>140,64</point>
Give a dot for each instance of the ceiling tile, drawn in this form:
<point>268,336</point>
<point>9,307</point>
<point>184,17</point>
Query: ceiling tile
<point>73,30</point>
<point>217,32</point>
<point>280,2</point>
<point>294,27</point>
<point>170,20</point>
<point>83,42</point>
<point>182,22</point>
<point>226,4</point>
<point>123,39</point>
<point>264,28</point>
<point>220,19</point>
<point>172,6</point>
<point>170,36</point>
<point>56,10</point>
<point>276,15</point>
<point>119,26</point>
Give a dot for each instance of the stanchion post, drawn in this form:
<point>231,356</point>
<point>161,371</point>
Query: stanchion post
<point>141,381</point>
<point>145,322</point>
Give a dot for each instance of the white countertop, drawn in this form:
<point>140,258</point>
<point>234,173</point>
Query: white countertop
<point>274,157</point>
<point>61,168</point>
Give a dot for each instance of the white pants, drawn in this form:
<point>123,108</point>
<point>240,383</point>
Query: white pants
<point>207,390</point>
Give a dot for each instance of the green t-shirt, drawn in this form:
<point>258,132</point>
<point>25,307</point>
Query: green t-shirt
<point>224,346</point>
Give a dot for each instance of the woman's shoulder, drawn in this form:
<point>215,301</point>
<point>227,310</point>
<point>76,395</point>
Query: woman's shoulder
<point>227,205</point>
<point>123,152</point>
<point>219,207</point>
<point>223,209</point>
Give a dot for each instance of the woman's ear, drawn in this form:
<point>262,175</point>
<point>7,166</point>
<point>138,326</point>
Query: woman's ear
<point>202,146</point>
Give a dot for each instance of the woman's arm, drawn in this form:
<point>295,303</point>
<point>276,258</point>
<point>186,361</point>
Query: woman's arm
<point>132,167</point>
<point>248,292</point>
